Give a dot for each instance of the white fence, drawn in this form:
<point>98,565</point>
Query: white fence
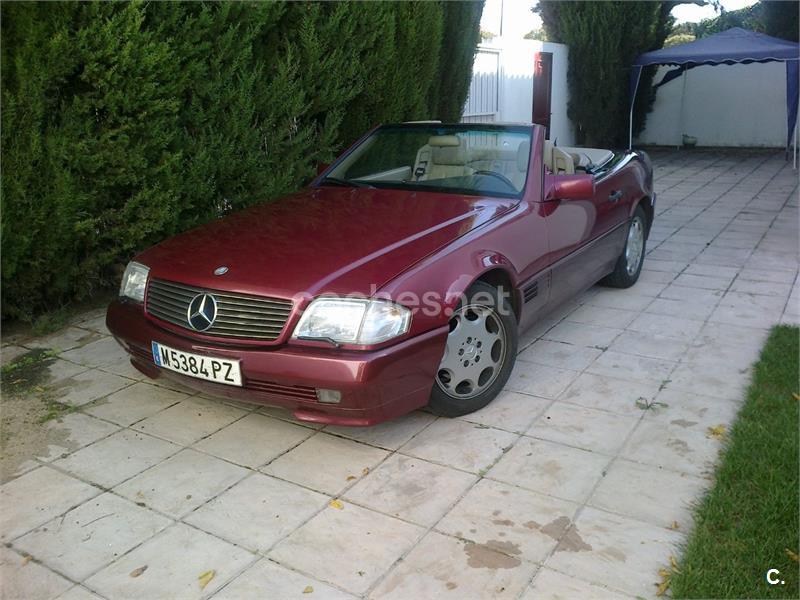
<point>484,90</point>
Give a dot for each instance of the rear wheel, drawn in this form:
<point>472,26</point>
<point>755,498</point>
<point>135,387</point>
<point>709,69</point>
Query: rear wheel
<point>480,353</point>
<point>629,264</point>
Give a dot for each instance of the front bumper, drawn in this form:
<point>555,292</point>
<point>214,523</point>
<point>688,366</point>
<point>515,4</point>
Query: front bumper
<point>375,386</point>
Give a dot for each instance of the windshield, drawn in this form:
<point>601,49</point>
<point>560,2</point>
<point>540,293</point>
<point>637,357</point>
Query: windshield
<point>472,159</point>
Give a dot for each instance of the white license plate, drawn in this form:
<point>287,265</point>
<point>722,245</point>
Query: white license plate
<point>218,370</point>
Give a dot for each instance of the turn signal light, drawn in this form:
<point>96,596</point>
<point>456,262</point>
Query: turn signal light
<point>329,396</point>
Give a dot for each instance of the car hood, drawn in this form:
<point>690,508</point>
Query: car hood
<point>320,240</point>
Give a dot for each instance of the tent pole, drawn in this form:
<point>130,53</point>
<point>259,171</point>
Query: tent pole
<point>681,119</point>
<point>630,117</point>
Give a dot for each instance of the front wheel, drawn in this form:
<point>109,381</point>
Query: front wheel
<point>480,353</point>
<point>629,264</point>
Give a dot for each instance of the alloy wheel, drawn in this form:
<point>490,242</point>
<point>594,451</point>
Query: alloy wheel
<point>475,352</point>
<point>635,246</point>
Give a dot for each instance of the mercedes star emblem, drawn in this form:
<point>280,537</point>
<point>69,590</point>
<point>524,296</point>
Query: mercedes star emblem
<point>202,311</point>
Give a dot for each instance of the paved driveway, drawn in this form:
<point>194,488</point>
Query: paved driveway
<point>577,480</point>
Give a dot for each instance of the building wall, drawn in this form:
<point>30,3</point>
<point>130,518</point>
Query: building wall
<point>502,85</point>
<point>725,105</point>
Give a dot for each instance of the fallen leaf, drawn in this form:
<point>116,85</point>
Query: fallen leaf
<point>337,504</point>
<point>716,432</point>
<point>365,470</point>
<point>351,477</point>
<point>796,396</point>
<point>674,564</point>
<point>308,590</point>
<point>204,578</point>
<point>27,558</point>
<point>663,586</point>
<point>793,555</point>
<point>675,525</point>
<point>138,571</point>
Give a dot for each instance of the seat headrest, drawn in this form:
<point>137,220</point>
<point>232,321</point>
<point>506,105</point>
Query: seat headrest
<point>449,155</point>
<point>523,155</point>
<point>439,141</point>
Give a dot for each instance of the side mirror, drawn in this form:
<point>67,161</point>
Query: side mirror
<point>569,187</point>
<point>321,167</point>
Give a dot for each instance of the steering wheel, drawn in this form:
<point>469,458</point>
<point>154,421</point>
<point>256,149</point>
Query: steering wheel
<point>499,176</point>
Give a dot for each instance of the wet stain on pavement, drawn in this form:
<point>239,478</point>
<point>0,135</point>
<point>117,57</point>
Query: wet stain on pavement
<point>411,489</point>
<point>614,553</point>
<point>494,554</point>
<point>573,542</point>
<point>679,446</point>
<point>551,467</point>
<point>556,528</point>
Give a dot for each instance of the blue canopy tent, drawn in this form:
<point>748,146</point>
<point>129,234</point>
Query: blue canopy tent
<point>729,47</point>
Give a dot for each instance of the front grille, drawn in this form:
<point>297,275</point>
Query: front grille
<point>238,315</point>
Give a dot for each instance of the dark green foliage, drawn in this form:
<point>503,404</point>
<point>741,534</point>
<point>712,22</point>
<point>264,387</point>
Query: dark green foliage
<point>124,123</point>
<point>604,38</point>
<point>781,19</point>
<point>746,18</point>
<point>778,18</point>
<point>460,39</point>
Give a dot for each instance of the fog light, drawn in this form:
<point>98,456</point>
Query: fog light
<point>329,396</point>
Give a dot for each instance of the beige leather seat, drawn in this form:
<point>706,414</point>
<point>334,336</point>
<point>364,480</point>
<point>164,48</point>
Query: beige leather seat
<point>558,161</point>
<point>519,174</point>
<point>512,164</point>
<point>443,156</point>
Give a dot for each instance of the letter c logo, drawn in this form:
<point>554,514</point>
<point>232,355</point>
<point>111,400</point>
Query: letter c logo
<point>773,580</point>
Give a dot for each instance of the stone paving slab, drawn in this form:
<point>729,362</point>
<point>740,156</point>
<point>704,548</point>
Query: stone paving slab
<point>578,481</point>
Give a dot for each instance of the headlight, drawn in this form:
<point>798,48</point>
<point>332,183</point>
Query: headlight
<point>353,321</point>
<point>134,281</point>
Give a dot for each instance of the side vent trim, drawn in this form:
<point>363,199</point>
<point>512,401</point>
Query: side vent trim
<point>531,291</point>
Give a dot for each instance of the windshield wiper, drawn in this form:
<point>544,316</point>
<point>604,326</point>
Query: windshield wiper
<point>346,182</point>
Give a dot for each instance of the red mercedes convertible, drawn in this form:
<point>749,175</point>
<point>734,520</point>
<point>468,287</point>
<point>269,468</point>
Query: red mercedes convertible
<point>401,277</point>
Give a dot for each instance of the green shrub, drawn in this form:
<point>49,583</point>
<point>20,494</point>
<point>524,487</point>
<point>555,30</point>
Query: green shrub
<point>124,123</point>
<point>604,38</point>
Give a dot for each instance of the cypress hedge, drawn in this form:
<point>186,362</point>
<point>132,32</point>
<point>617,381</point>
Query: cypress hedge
<point>604,38</point>
<point>124,123</point>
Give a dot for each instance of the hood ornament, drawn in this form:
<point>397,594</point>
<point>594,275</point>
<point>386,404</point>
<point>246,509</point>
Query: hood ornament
<point>220,270</point>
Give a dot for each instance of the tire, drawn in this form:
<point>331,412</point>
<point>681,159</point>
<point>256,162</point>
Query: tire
<point>625,273</point>
<point>483,333</point>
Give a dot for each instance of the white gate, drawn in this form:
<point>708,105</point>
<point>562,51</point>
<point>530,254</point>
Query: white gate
<point>484,90</point>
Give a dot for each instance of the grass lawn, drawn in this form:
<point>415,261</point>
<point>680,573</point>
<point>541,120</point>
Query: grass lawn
<point>748,523</point>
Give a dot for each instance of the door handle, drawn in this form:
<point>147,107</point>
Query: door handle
<point>615,196</point>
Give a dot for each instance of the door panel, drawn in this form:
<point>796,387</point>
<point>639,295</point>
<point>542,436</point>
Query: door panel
<point>584,238</point>
<point>570,225</point>
<point>611,202</point>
